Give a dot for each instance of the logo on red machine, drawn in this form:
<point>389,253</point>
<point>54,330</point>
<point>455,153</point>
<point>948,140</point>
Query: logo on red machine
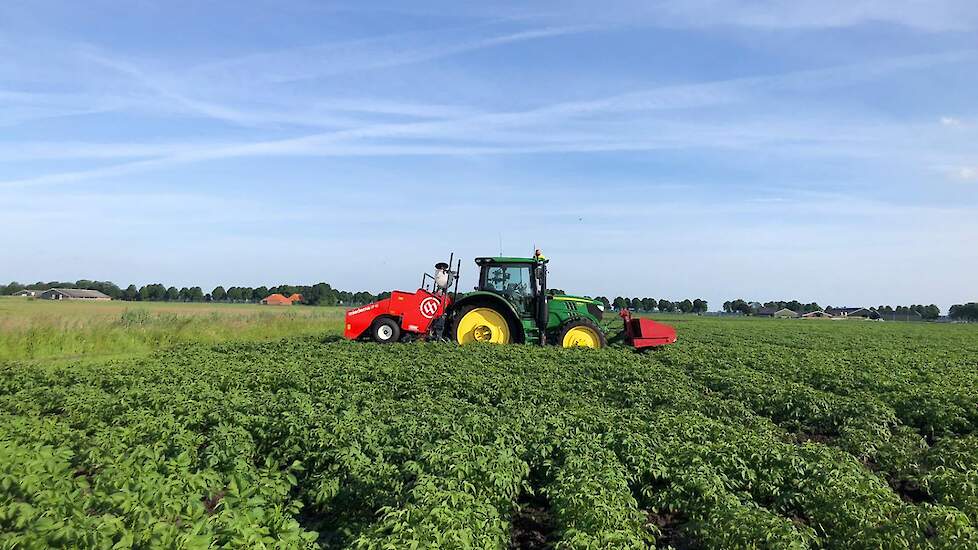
<point>429,307</point>
<point>357,311</point>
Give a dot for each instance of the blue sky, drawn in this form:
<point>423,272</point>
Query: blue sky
<point>820,150</point>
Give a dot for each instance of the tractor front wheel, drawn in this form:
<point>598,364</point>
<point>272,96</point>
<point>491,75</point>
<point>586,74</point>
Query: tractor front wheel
<point>477,323</point>
<point>582,333</point>
<point>385,330</point>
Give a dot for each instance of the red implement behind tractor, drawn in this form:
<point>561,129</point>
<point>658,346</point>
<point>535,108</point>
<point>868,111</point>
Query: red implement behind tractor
<point>646,333</point>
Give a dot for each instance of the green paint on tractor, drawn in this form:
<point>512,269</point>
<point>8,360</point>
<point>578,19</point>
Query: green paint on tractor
<point>522,284</point>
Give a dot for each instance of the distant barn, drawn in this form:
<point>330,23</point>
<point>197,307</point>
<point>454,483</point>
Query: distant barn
<point>818,314</point>
<point>29,293</point>
<point>782,313</point>
<point>852,313</point>
<point>73,294</point>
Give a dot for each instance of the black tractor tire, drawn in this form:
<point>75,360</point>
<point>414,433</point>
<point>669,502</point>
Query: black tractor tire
<point>574,323</point>
<point>385,331</point>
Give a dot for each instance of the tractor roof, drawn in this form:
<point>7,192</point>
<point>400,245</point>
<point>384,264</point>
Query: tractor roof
<point>506,260</point>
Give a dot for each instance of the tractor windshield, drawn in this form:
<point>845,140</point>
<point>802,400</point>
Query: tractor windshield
<point>512,281</point>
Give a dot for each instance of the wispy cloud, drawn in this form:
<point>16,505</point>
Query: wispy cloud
<point>333,59</point>
<point>242,90</point>
<point>964,173</point>
<point>943,15</point>
<point>578,126</point>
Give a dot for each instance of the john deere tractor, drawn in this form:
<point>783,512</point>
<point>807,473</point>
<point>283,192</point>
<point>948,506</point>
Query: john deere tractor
<point>511,305</point>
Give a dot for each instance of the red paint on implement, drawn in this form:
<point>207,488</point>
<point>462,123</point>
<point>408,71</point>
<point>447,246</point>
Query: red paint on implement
<point>646,333</point>
<point>413,311</point>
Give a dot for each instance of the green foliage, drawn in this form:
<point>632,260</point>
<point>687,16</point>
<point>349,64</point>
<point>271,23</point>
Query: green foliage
<point>746,434</point>
<point>964,312</point>
<point>320,294</point>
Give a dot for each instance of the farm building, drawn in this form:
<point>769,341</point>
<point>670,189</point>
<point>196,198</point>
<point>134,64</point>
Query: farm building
<point>816,315</point>
<point>73,294</point>
<point>280,300</point>
<point>29,293</point>
<point>782,313</point>
<point>852,313</point>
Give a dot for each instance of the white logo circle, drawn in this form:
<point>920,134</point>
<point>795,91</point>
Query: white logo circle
<point>429,307</point>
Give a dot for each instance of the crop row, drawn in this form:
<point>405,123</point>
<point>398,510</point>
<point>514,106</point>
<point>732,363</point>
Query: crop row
<point>305,443</point>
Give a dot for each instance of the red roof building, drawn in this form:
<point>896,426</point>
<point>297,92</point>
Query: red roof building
<point>276,300</point>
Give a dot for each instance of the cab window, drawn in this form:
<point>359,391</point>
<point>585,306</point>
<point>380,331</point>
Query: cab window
<point>510,281</point>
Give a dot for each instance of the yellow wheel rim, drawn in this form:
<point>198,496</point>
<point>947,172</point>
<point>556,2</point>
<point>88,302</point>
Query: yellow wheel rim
<point>581,337</point>
<point>482,325</point>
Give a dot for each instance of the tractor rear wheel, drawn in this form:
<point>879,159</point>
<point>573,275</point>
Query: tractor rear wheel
<point>385,330</point>
<point>478,323</point>
<point>582,333</point>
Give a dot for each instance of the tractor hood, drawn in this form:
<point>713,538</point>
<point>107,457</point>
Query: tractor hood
<point>568,297</point>
<point>576,303</point>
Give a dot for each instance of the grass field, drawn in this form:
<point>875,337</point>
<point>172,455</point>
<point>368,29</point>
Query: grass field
<point>745,434</point>
<point>45,329</point>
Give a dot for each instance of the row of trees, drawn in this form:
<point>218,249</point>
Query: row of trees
<point>324,294</point>
<point>651,304</point>
<point>929,313</point>
<point>318,294</point>
<point>747,308</point>
<point>964,312</point>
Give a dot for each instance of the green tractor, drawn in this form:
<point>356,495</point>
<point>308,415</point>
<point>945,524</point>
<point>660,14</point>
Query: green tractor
<point>511,305</point>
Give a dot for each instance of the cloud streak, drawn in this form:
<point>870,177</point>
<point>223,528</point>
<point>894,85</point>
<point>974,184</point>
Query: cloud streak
<point>941,15</point>
<point>578,126</point>
<point>333,59</point>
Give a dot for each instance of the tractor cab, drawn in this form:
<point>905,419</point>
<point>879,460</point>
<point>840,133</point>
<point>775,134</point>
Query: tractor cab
<point>533,314</point>
<point>520,281</point>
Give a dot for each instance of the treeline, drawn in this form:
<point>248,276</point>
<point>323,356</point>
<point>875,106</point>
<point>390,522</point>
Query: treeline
<point>931,312</point>
<point>324,294</point>
<point>747,308</point>
<point>318,294</point>
<point>964,312</point>
<point>651,304</point>
<point>928,313</point>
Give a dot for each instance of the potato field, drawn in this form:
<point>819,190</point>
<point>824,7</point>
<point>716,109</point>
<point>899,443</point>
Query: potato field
<point>745,434</point>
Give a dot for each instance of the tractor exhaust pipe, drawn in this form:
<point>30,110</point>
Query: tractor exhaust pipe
<point>543,309</point>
